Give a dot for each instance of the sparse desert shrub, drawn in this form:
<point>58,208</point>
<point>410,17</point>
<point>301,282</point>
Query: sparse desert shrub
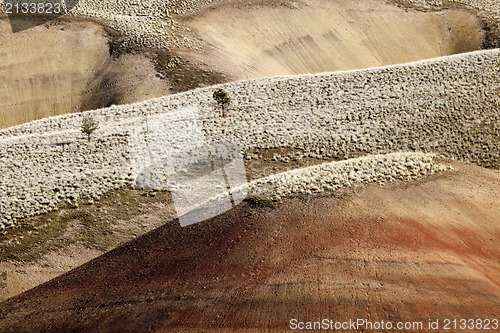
<point>223,99</point>
<point>89,126</point>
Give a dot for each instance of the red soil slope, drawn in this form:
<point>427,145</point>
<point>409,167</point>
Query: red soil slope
<point>408,253</point>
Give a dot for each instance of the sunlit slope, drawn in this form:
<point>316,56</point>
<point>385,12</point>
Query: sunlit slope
<point>66,67</point>
<point>320,36</point>
<point>44,72</point>
<point>408,253</point>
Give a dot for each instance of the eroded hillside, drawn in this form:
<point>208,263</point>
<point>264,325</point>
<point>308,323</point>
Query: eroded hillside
<point>320,36</point>
<point>411,253</point>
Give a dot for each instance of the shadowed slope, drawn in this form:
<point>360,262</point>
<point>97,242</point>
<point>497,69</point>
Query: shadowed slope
<point>414,252</point>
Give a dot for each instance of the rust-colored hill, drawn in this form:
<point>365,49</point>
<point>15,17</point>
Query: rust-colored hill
<point>415,252</point>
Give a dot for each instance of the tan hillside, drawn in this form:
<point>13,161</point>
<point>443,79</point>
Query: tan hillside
<point>321,36</point>
<point>66,67</point>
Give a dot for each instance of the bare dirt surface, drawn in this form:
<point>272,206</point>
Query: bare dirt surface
<point>405,252</point>
<point>321,36</point>
<point>65,66</point>
<point>52,244</point>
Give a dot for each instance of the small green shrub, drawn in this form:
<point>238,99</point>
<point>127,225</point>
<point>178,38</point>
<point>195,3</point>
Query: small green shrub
<point>89,125</point>
<point>223,99</point>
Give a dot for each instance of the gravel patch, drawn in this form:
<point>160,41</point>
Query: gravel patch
<point>333,177</point>
<point>447,106</point>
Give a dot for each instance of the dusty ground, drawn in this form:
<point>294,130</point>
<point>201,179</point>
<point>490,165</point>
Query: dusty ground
<point>321,36</point>
<point>407,252</point>
<point>55,243</point>
<point>52,244</point>
<point>65,66</point>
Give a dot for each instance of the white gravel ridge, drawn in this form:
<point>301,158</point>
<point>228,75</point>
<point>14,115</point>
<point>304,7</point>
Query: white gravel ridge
<point>447,106</point>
